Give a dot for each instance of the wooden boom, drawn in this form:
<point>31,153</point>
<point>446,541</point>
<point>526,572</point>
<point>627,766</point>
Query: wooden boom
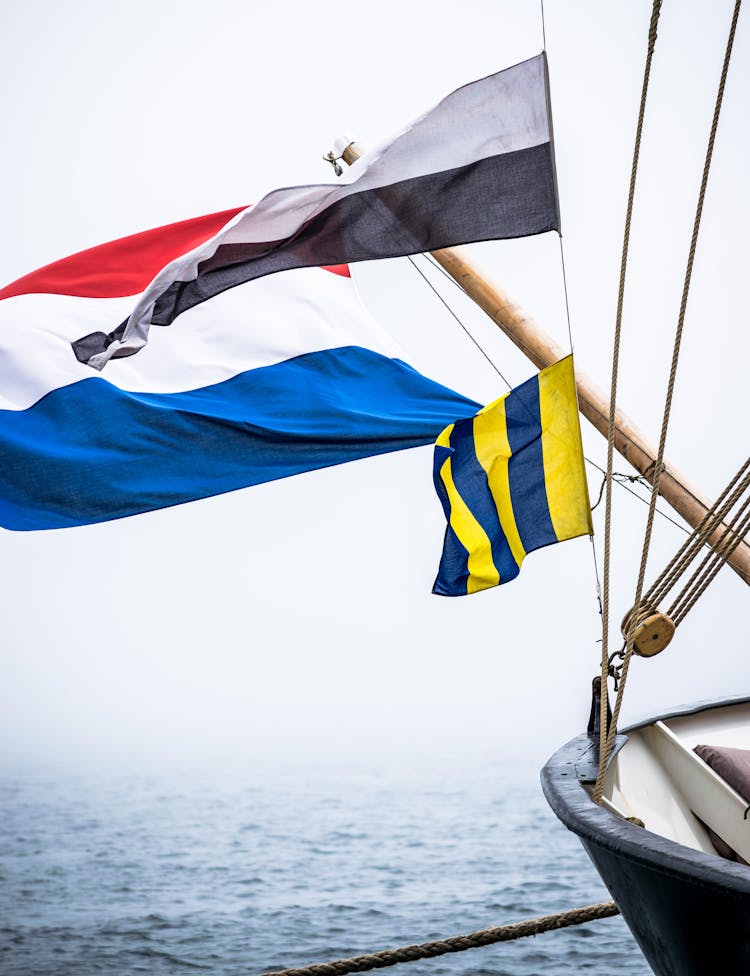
<point>542,350</point>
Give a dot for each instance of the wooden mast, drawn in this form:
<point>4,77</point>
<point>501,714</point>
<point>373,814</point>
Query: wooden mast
<point>542,350</point>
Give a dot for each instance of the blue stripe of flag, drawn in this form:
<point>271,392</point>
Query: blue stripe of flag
<point>526,467</point>
<point>89,452</point>
<point>470,480</point>
<point>453,572</point>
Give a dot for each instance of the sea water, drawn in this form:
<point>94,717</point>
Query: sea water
<point>251,871</point>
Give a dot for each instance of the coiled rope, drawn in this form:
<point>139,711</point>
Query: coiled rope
<point>606,741</point>
<point>458,943</point>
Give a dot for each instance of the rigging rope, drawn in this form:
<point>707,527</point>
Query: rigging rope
<point>698,538</point>
<point>606,742</point>
<point>603,730</point>
<point>455,314</point>
<point>620,479</point>
<point>565,291</point>
<point>711,564</point>
<point>458,943</point>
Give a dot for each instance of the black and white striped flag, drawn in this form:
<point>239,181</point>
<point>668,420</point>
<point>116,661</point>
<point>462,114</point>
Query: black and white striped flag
<point>479,166</point>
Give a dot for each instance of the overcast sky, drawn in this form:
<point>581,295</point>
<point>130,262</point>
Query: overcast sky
<point>294,620</point>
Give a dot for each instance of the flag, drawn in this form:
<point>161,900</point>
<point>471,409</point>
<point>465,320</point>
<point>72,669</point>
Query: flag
<point>479,166</point>
<point>274,377</point>
<point>511,480</point>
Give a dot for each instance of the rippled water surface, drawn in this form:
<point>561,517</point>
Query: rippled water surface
<point>251,872</point>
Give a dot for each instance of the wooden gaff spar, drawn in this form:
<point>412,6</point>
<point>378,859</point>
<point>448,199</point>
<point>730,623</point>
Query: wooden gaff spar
<point>542,350</point>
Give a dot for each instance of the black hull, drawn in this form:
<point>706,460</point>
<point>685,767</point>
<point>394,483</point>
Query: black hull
<point>688,911</point>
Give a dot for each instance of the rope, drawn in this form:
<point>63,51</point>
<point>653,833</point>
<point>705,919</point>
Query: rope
<point>655,11</point>
<point>596,574</point>
<point>608,742</point>
<point>698,538</point>
<point>455,314</point>
<point>458,943</point>
<point>728,536</point>
<point>565,292</point>
<point>711,565</point>
<point>620,479</point>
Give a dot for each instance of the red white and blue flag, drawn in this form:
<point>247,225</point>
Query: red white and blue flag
<point>269,379</point>
<point>255,375</point>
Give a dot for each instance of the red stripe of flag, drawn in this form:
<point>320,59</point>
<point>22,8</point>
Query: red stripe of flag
<point>125,266</point>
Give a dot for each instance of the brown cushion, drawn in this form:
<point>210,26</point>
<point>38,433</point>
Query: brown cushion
<point>733,765</point>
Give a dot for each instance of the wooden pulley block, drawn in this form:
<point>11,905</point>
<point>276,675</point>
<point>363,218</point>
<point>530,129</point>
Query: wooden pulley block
<point>653,631</point>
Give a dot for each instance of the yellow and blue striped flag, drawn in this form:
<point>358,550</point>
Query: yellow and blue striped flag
<point>511,480</point>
